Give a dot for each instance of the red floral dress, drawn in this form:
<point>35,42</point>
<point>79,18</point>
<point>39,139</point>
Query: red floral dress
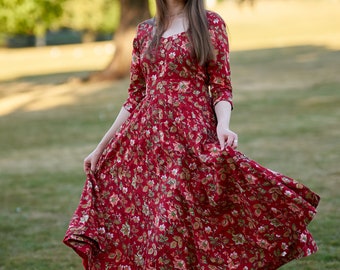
<point>164,196</point>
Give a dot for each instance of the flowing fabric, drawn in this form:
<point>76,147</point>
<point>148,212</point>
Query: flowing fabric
<point>164,196</point>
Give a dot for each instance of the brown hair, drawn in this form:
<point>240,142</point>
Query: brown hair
<point>198,31</point>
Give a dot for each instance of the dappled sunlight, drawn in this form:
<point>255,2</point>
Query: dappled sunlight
<point>42,97</point>
<point>276,69</point>
<point>293,41</point>
<point>267,24</point>
<point>55,97</point>
<point>17,63</point>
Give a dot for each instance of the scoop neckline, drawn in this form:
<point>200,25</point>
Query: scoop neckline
<point>174,36</point>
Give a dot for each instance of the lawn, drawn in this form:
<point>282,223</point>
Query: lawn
<point>287,111</point>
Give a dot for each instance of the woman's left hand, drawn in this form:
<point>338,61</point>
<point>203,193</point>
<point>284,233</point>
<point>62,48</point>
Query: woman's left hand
<point>226,137</point>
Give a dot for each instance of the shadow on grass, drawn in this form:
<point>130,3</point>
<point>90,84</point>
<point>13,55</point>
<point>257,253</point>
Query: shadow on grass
<point>296,57</point>
<point>288,68</point>
<point>52,78</point>
<point>47,91</point>
<point>286,112</point>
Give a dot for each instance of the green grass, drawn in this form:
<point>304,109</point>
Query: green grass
<point>290,126</point>
<point>287,111</point>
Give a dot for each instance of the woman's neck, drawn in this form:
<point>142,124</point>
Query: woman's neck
<point>175,7</point>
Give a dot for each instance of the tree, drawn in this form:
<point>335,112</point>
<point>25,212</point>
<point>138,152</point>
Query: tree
<point>132,12</point>
<point>35,17</point>
<point>30,17</point>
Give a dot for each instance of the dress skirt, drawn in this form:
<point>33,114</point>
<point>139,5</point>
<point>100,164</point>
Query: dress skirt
<point>164,196</point>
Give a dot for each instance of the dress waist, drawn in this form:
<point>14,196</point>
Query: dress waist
<point>176,87</point>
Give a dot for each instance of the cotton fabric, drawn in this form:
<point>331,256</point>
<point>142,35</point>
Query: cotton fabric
<point>164,196</point>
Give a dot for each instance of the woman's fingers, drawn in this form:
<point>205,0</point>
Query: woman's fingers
<point>226,137</point>
<point>221,141</point>
<point>87,165</point>
<point>230,139</point>
<point>235,143</point>
<point>90,162</point>
<point>94,163</point>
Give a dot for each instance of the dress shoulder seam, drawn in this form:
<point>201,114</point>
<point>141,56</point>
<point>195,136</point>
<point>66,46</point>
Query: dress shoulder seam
<point>214,19</point>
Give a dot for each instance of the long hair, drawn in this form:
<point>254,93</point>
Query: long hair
<point>198,32</point>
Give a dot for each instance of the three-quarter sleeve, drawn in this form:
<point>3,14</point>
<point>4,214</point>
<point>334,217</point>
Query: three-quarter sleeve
<point>219,68</point>
<point>136,90</point>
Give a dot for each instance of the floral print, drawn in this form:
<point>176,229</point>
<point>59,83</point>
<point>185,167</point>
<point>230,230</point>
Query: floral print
<point>164,196</point>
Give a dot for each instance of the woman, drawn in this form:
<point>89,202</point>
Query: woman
<point>166,188</point>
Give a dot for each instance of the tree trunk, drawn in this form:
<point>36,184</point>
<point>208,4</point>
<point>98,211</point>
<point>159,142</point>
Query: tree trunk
<point>40,41</point>
<point>88,36</point>
<point>40,35</point>
<point>132,13</point>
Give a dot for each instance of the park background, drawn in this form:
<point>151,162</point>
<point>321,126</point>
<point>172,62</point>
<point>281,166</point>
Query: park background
<point>285,57</point>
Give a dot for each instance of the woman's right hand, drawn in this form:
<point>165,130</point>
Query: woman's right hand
<point>91,160</point>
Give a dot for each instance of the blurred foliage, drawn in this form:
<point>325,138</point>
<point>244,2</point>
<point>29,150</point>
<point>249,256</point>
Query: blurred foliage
<point>152,7</point>
<point>91,15</point>
<point>35,17</point>
<point>29,16</point>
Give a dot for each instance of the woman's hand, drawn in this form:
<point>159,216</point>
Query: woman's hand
<point>91,161</point>
<point>226,137</point>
